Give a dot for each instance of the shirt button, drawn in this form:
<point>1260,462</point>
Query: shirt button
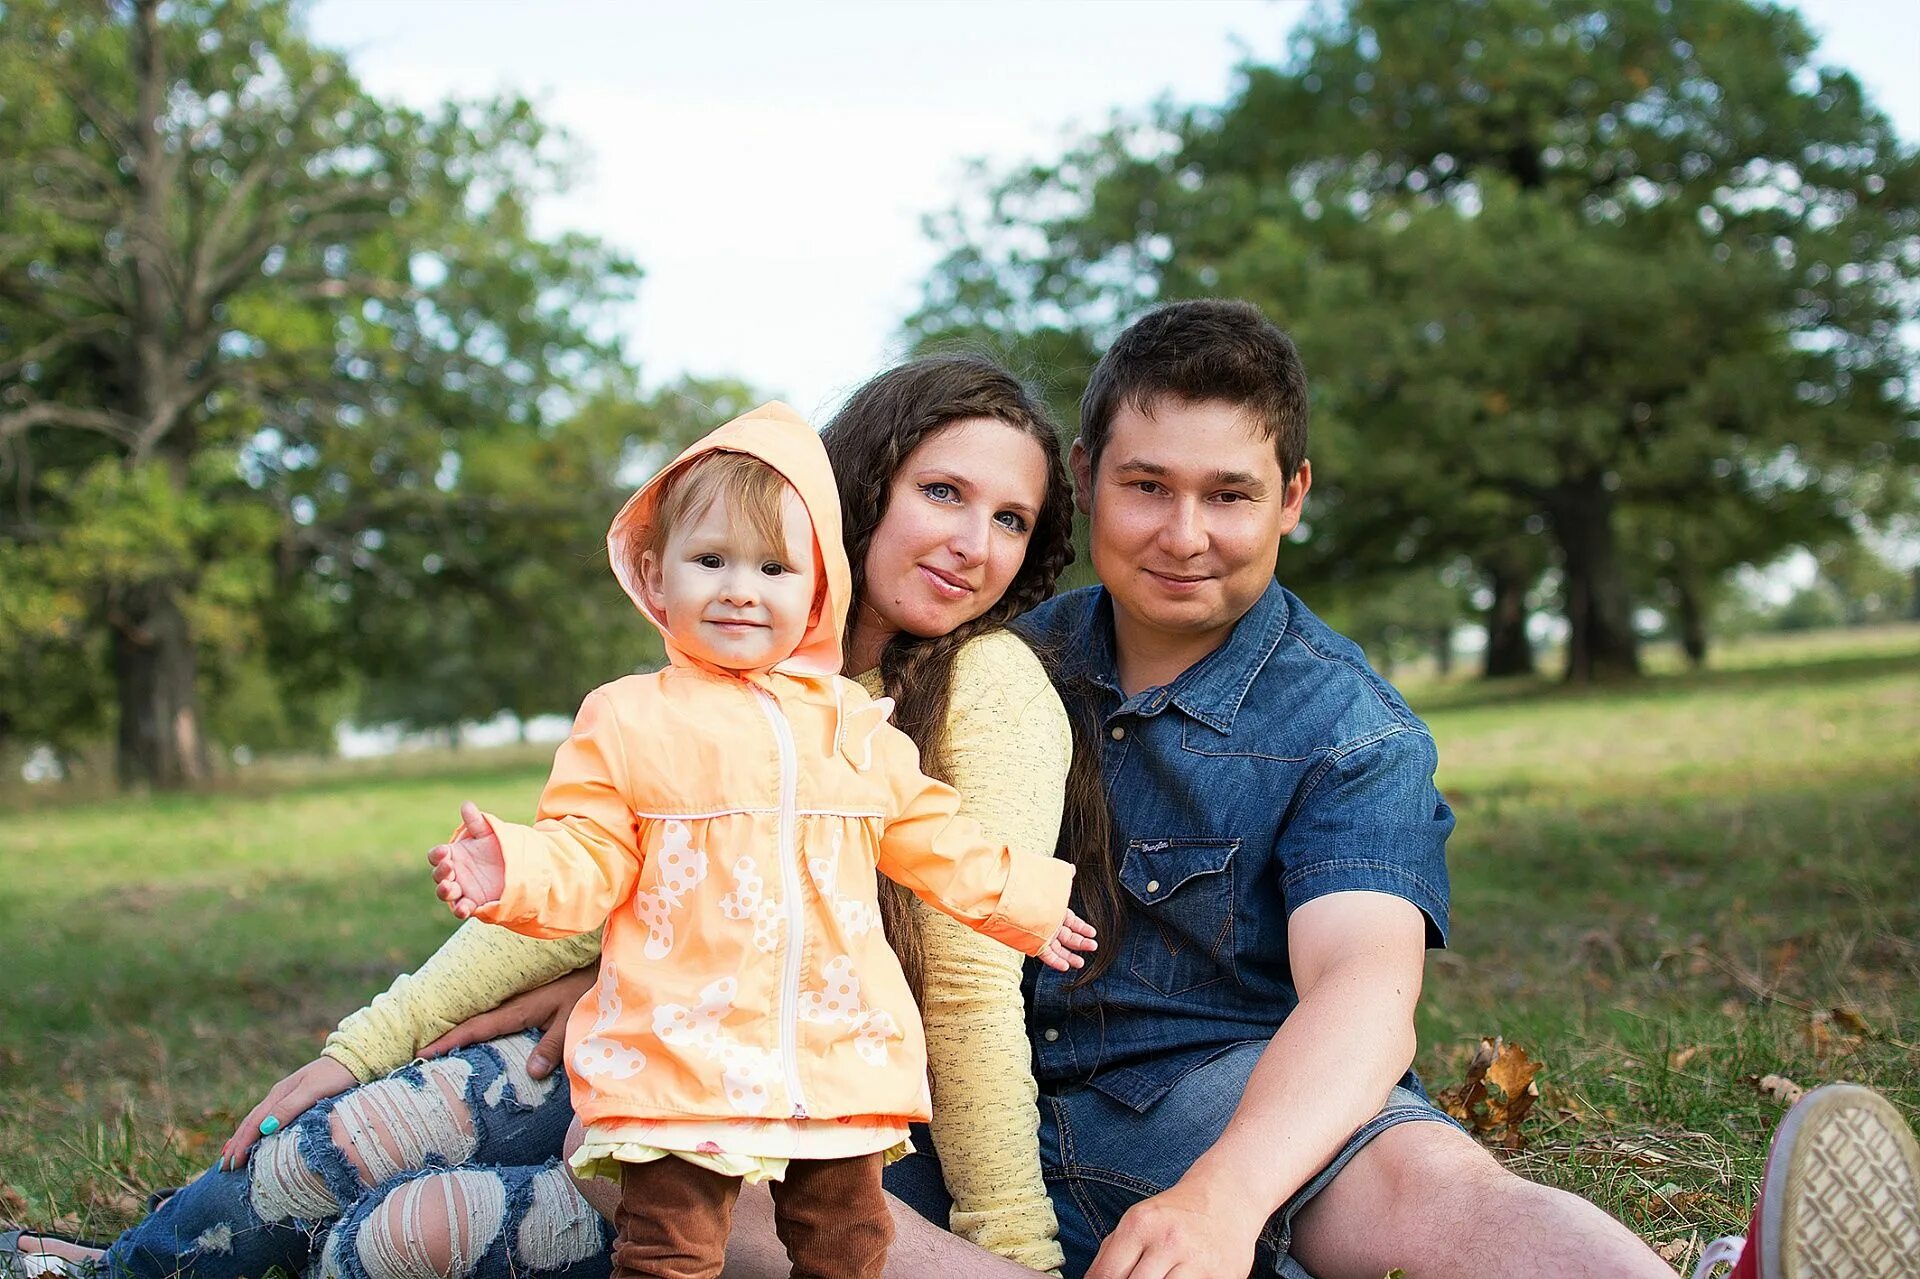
<point>1118,733</point>
<point>1052,1034</point>
<point>1153,885</point>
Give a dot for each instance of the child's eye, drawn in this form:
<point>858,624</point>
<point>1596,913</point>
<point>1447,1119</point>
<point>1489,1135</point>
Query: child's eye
<point>709,561</point>
<point>940,491</point>
<point>774,568</point>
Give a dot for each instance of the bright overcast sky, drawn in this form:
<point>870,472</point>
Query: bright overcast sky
<point>768,164</point>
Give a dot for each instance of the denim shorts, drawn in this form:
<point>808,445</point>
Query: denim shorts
<point>1100,1158</point>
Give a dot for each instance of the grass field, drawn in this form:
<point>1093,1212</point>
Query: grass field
<point>1662,892</point>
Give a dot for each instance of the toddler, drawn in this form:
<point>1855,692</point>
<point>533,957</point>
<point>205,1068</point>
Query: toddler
<point>724,817</point>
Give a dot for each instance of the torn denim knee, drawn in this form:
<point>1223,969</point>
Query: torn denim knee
<point>469,1223</point>
<point>428,1114</point>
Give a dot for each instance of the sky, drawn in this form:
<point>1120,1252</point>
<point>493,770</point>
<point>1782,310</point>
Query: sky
<point>769,165</point>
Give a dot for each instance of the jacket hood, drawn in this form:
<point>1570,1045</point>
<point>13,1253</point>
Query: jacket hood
<point>782,439</point>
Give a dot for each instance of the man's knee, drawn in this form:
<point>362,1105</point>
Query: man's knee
<point>1413,1166</point>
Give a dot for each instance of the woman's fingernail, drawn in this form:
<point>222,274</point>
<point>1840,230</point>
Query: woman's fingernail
<point>538,1065</point>
<point>269,1126</point>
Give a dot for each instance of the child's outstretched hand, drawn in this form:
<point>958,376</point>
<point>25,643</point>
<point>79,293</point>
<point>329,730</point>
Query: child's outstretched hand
<point>1075,934</point>
<point>470,872</point>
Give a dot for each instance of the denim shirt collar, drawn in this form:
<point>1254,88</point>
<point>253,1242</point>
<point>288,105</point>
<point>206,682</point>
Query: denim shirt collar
<point>1210,690</point>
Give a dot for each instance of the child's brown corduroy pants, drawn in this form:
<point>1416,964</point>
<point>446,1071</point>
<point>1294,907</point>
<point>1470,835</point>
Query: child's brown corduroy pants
<point>674,1215</point>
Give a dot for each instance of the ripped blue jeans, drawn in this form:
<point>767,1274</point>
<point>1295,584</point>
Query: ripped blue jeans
<point>447,1167</point>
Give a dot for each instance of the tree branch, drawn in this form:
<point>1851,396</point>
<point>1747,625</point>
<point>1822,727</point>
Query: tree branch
<point>53,345</point>
<point>116,426</point>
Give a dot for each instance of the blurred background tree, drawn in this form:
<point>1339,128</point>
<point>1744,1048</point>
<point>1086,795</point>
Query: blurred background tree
<point>290,392</point>
<point>1590,263</point>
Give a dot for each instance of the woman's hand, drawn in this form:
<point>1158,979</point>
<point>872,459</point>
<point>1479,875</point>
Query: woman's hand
<point>544,1008</point>
<point>1075,934</point>
<point>292,1097</point>
<point>469,871</point>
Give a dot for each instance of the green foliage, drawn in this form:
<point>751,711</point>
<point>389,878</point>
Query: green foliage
<point>1405,616</point>
<point>1551,264</point>
<point>275,358</point>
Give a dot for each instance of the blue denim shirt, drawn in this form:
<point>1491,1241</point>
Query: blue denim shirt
<point>1277,769</point>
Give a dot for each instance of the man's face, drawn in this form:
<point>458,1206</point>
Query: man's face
<point>1189,508</point>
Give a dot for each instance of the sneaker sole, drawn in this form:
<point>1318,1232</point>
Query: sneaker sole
<point>1843,1191</point>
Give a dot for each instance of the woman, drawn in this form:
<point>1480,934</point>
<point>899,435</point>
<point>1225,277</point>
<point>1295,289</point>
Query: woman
<point>957,519</point>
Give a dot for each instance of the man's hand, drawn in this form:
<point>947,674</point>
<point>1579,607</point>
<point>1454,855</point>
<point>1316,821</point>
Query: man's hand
<point>286,1101</point>
<point>1189,1229</point>
<point>470,872</point>
<point>1075,934</point>
<point>544,1008</point>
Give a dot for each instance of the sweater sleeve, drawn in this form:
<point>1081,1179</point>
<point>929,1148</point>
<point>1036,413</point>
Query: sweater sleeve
<point>1007,748</point>
<point>474,971</point>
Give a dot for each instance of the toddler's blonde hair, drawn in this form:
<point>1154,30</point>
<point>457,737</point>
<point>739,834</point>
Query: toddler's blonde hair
<point>748,487</point>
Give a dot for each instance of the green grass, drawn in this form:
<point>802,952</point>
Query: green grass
<point>1658,890</point>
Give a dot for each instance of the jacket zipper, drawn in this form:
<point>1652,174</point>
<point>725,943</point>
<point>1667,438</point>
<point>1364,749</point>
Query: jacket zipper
<point>796,920</point>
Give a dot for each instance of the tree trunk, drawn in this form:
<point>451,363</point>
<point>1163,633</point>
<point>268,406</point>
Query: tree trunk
<point>1443,651</point>
<point>160,742</point>
<point>1692,618</point>
<point>1509,651</point>
<point>1601,644</point>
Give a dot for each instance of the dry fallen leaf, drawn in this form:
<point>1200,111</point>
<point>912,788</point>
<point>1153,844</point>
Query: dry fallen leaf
<point>1679,1057</point>
<point>1672,1201</point>
<point>1676,1251</point>
<point>1819,1037</point>
<point>1780,1088</point>
<point>1850,1020</point>
<point>1496,1095</point>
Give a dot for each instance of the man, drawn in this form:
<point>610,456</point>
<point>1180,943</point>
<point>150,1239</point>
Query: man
<point>1230,1093</point>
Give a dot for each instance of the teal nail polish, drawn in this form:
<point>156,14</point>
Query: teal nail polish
<point>269,1126</point>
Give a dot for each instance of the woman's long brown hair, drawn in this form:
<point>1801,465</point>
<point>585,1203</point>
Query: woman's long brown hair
<point>867,442</point>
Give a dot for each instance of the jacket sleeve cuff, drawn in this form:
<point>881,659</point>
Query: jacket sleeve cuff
<point>1034,903</point>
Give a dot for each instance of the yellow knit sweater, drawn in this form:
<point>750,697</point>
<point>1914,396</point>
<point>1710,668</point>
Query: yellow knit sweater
<point>1006,753</point>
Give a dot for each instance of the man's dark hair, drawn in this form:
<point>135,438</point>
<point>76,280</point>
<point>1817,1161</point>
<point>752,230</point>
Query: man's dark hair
<point>1210,349</point>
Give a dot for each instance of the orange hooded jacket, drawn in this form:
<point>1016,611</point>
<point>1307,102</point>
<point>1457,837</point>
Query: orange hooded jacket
<point>727,827</point>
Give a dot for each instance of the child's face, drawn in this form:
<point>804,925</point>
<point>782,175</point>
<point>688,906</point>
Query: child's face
<point>724,598</point>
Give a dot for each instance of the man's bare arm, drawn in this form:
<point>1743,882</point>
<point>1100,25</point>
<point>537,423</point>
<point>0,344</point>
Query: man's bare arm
<point>1357,960</point>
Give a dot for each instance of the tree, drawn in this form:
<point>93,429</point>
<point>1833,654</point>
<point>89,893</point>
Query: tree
<point>1575,256</point>
<point>252,317</point>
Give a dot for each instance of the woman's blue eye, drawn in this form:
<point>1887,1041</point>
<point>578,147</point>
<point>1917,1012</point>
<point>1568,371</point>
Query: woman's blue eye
<point>1012,520</point>
<point>940,492</point>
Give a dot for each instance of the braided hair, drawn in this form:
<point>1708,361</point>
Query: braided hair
<point>867,442</point>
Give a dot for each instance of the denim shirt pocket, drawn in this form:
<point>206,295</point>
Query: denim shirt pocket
<point>1183,917</point>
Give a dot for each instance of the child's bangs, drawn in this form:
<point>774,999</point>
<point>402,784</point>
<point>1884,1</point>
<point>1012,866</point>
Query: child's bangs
<point>747,489</point>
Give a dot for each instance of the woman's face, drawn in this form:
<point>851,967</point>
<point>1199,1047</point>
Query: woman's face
<point>959,517</point>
